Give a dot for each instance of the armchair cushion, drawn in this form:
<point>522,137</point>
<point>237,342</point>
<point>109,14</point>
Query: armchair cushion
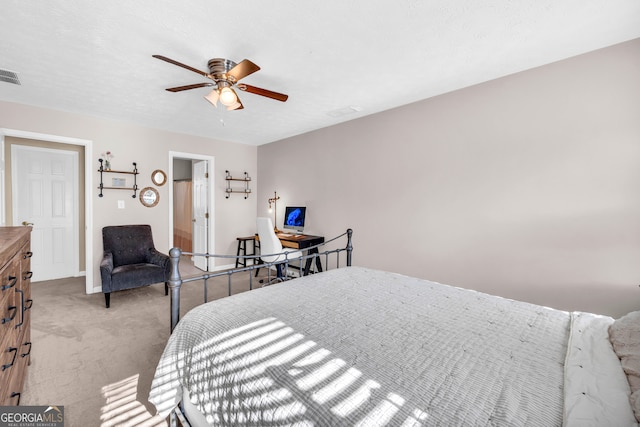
<point>135,275</point>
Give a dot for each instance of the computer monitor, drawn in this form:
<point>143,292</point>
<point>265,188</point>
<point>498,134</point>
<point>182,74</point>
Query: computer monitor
<point>294,218</point>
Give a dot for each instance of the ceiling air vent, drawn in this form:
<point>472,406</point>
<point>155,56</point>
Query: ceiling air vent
<point>9,77</point>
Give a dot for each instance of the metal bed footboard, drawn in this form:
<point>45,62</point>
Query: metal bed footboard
<point>176,281</point>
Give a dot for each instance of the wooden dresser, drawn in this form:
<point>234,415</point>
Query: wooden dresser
<point>15,304</point>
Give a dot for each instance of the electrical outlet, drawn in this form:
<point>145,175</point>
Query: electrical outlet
<point>120,204</point>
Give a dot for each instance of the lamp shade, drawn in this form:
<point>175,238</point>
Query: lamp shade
<point>212,97</point>
<point>228,97</point>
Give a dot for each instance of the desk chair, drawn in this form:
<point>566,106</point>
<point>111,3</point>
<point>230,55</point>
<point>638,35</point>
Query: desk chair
<point>271,247</point>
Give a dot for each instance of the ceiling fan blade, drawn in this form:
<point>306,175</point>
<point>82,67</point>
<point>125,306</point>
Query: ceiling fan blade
<point>187,87</point>
<point>179,64</point>
<point>243,69</point>
<point>264,92</point>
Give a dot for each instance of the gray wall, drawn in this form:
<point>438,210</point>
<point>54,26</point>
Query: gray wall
<point>182,169</point>
<point>527,186</point>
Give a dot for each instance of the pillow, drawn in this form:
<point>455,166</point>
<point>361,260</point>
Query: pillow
<point>624,334</point>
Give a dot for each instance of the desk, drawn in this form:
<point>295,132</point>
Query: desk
<point>298,241</point>
<point>302,241</point>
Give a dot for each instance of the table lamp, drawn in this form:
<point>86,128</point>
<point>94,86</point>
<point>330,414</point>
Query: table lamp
<point>273,200</point>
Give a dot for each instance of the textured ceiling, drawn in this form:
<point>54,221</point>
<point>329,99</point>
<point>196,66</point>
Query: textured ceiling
<point>336,59</point>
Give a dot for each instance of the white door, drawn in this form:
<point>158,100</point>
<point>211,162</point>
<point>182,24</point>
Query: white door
<point>44,193</point>
<point>200,181</point>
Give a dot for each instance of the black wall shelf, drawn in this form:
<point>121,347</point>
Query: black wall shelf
<point>134,172</point>
<point>246,190</point>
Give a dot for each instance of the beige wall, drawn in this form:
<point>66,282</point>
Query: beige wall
<point>527,186</point>
<point>150,149</point>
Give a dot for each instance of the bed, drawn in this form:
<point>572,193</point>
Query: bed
<point>355,346</point>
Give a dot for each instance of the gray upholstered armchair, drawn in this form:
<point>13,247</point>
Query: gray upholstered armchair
<point>130,260</point>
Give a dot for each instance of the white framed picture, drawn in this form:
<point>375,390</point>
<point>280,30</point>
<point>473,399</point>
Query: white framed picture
<point>119,182</point>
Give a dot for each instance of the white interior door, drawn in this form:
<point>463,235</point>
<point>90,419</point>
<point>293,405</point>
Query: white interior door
<point>200,181</point>
<point>45,193</point>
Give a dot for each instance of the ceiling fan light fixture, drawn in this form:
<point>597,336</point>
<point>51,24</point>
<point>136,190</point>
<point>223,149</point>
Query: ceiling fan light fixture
<point>228,97</point>
<point>224,75</point>
<point>212,97</point>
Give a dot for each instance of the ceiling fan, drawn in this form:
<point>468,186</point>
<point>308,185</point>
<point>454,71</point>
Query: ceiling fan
<point>225,75</point>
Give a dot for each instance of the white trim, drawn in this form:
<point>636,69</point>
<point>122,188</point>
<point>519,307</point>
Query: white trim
<point>3,218</point>
<point>211,184</point>
<point>88,186</point>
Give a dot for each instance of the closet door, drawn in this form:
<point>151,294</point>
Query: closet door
<point>45,194</point>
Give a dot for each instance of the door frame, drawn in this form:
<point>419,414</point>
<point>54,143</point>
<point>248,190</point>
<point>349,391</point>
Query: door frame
<point>210,196</point>
<point>88,179</point>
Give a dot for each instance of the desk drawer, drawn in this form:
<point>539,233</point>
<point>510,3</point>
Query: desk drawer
<point>289,244</point>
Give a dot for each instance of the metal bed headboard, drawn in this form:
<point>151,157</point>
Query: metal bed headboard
<point>176,281</point>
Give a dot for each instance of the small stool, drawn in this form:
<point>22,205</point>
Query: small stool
<point>242,247</point>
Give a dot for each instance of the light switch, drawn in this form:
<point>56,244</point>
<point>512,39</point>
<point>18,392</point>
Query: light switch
<point>120,204</point>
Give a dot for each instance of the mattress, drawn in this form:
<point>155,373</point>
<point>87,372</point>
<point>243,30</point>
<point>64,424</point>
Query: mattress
<point>357,346</point>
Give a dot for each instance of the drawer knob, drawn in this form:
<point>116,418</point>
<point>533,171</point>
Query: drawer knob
<point>13,280</point>
<point>10,318</point>
<point>28,352</point>
<point>15,353</point>
<point>14,394</point>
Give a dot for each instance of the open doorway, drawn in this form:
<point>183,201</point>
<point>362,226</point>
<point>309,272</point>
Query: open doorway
<point>191,199</point>
<point>183,204</point>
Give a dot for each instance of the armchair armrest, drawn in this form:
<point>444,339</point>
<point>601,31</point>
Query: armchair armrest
<point>159,259</point>
<point>107,262</point>
<point>106,268</point>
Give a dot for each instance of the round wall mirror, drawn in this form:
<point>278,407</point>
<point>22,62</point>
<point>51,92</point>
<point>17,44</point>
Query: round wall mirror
<point>158,177</point>
<point>149,197</point>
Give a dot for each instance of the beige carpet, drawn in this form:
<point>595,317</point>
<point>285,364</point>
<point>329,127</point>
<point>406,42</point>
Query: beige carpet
<point>98,363</point>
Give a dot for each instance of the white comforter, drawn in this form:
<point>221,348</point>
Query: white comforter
<point>356,346</point>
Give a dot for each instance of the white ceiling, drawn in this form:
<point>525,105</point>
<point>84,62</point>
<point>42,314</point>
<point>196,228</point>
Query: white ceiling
<point>330,56</point>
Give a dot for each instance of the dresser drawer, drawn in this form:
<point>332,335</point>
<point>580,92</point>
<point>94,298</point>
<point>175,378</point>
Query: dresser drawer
<point>10,306</point>
<point>25,255</point>
<point>9,360</point>
<point>24,342</point>
<point>18,376</point>
<point>10,280</point>
<point>12,240</point>
<point>11,390</point>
